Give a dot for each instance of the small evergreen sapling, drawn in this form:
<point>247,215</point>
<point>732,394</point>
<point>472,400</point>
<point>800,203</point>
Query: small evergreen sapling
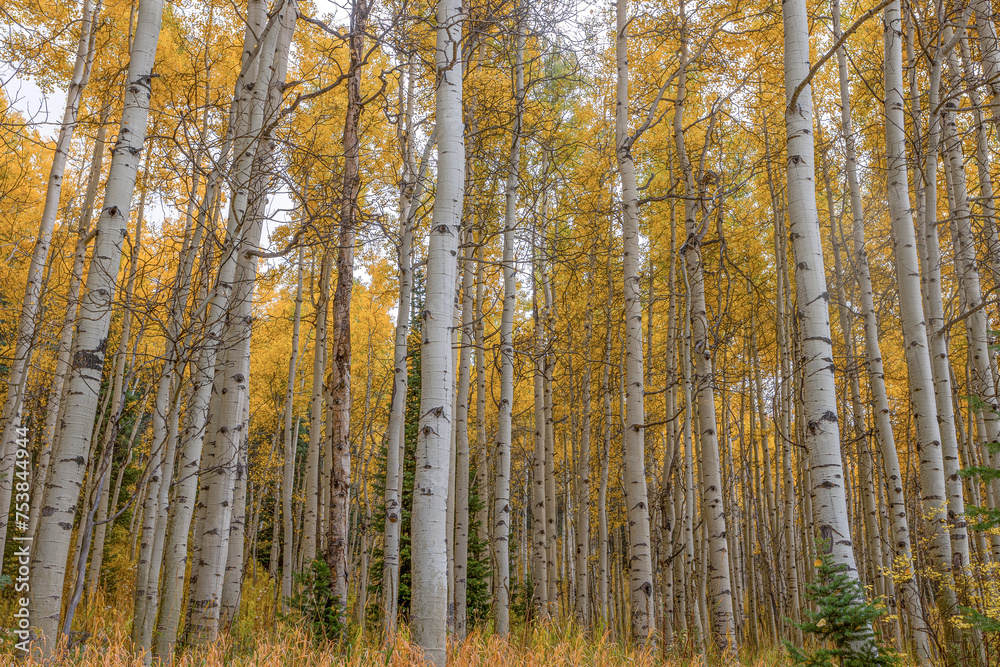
<point>842,623</point>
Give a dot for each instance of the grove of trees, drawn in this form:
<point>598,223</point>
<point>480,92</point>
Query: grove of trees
<point>672,322</point>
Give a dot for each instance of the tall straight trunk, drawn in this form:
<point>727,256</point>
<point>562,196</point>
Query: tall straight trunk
<point>226,431</point>
<point>546,359</point>
<point>690,489</point>
<point>291,440</point>
<point>232,583</point>
<point>24,341</point>
<point>987,204</point>
<point>978,330</point>
<point>52,544</point>
<point>918,358</point>
<point>819,391</point>
<point>461,534</point>
<point>409,196</point>
<point>602,490</point>
<point>719,585</point>
<point>539,569</point>
<point>864,462</point>
<point>337,555</point>
<point>505,408</point>
<point>582,500</point>
<point>900,539</point>
<point>429,602</point>
<point>989,50</point>
<point>636,495</point>
<point>56,403</point>
<point>310,519</point>
<point>483,454</point>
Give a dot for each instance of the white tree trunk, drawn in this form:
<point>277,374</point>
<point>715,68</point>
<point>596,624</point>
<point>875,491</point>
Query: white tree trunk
<point>25,338</point>
<point>505,408</point>
<point>429,603</point>
<point>636,496</point>
<point>719,587</point>
<point>901,539</point>
<point>918,358</point>
<point>51,547</point>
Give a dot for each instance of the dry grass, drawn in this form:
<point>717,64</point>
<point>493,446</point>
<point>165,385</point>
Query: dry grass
<point>260,639</point>
<point>545,646</point>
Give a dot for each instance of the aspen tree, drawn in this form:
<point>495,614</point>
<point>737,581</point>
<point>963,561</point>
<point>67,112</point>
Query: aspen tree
<point>291,440</point>
<point>340,332</point>
<point>56,404</point>
<point>505,407</point>
<point>720,589</point>
<point>428,606</point>
<point>410,193</point>
<point>232,300</point>
<point>918,361</point>
<point>17,374</point>
<point>461,498</point>
<point>900,532</point>
<point>540,528</point>
<point>582,500</point>
<point>68,464</point>
<point>643,626</point>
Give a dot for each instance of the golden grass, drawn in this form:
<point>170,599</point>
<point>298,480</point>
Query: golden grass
<point>259,638</point>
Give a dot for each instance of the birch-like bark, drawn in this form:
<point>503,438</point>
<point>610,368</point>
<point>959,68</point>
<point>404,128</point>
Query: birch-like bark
<point>25,337</point>
<point>602,489</point>
<point>56,404</point>
<point>409,197</point>
<point>501,496</point>
<point>461,534</point>
<point>429,602</point>
<point>539,530</point>
<point>636,495</point>
<point>310,519</point>
<point>819,395</point>
<point>989,51</point>
<point>900,540</point>
<point>291,439</point>
<point>582,501</point>
<point>978,330</point>
<point>51,546</point>
<point>227,428</point>
<point>720,589</point>
<point>918,357</point>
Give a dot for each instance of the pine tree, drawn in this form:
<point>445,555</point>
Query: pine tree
<point>842,621</point>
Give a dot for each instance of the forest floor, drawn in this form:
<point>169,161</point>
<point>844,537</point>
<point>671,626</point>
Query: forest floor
<point>259,638</point>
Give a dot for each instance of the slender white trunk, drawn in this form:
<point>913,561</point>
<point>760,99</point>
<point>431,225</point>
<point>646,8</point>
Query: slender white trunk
<point>918,357</point>
<point>636,495</point>
<point>51,546</point>
<point>719,585</point>
<point>291,439</point>
<point>505,408</point>
<point>901,539</point>
<point>24,341</point>
<point>429,603</point>
<point>819,396</point>
<point>337,554</point>
<point>226,431</point>
<point>409,197</point>
<point>56,404</point>
<point>461,534</point>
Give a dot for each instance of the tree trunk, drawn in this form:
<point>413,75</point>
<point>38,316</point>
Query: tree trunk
<point>636,495</point>
<point>429,603</point>
<point>340,374</point>
<point>25,339</point>
<point>69,464</point>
